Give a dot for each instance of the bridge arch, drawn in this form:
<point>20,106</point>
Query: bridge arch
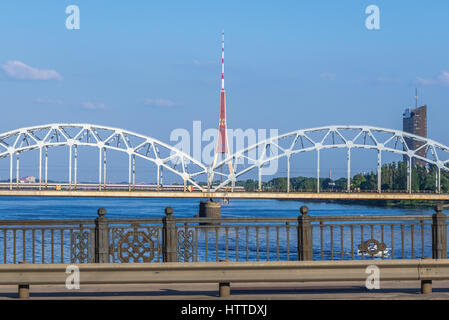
<point>413,147</point>
<point>43,137</point>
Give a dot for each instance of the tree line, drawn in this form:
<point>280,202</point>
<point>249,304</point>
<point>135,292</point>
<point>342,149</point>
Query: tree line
<point>393,178</point>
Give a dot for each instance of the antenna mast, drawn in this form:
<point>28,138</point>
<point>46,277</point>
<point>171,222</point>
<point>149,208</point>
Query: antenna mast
<point>416,98</point>
<point>222,60</point>
<point>222,147</point>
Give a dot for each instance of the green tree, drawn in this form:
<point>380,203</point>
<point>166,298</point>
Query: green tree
<point>357,180</point>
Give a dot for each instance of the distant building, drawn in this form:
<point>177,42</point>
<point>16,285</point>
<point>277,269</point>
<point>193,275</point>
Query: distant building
<point>415,121</point>
<point>29,179</point>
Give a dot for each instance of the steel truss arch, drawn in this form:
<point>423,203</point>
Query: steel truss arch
<point>102,137</point>
<point>336,136</point>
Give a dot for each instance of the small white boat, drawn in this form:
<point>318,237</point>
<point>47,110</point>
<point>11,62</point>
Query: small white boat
<point>386,253</point>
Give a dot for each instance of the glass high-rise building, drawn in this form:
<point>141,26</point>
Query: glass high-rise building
<point>415,121</point>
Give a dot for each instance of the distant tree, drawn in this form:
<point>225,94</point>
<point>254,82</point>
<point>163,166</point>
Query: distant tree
<point>326,184</point>
<point>357,180</point>
<point>340,184</point>
<point>394,177</point>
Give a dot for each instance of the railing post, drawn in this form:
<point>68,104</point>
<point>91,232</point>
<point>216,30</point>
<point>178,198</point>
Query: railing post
<point>23,289</point>
<point>305,249</point>
<point>101,237</point>
<point>169,236</point>
<point>439,233</point>
<point>426,285</point>
<point>224,288</point>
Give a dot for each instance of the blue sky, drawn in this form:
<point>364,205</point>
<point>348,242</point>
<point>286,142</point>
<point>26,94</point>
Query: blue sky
<point>153,66</point>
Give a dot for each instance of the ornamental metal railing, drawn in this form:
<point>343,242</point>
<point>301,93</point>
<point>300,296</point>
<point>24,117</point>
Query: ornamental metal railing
<point>195,239</point>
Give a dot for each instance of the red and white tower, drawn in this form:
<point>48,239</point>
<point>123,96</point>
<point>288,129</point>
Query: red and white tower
<point>222,147</point>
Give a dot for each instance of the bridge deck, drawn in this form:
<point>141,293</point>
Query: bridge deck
<point>229,195</point>
<point>390,290</point>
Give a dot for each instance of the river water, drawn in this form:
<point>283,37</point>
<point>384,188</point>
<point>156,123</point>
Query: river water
<point>86,208</point>
<point>275,243</point>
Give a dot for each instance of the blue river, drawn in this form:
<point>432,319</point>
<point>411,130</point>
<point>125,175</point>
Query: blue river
<point>406,242</point>
<point>86,208</point>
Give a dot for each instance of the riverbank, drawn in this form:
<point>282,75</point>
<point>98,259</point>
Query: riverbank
<point>401,204</point>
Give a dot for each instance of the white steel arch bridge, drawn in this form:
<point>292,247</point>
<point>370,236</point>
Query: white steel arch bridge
<point>412,147</point>
<point>191,171</point>
<point>43,137</point>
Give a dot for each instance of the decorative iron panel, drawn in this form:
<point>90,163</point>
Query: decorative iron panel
<point>136,243</point>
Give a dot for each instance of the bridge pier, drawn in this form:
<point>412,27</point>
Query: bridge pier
<point>131,172</point>
<point>134,171</point>
<point>104,168</point>
<point>70,166</point>
<point>99,168</point>
<point>17,169</point>
<point>318,171</point>
<point>76,165</point>
<point>40,168</point>
<point>46,167</point>
<point>10,170</point>
<point>379,171</point>
<point>439,180</point>
<point>409,174</point>
<point>162,177</point>
<point>348,187</point>
<point>210,209</point>
<point>288,173</point>
<point>158,177</point>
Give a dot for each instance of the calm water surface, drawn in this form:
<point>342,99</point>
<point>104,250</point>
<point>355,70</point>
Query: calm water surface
<point>254,245</point>
<point>86,208</point>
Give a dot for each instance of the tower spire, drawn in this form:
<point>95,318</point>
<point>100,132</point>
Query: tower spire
<point>222,60</point>
<point>222,147</point>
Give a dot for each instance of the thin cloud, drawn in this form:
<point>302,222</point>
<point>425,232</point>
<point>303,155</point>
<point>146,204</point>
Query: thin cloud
<point>441,80</point>
<point>88,105</point>
<point>444,78</point>
<point>204,63</point>
<point>328,75</point>
<point>426,82</point>
<point>48,101</point>
<point>388,80</point>
<point>93,105</point>
<point>159,102</point>
<point>196,63</point>
<point>21,71</point>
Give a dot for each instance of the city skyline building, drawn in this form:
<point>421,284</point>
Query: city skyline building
<point>415,121</point>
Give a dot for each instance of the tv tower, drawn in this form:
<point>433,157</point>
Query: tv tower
<point>222,147</point>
